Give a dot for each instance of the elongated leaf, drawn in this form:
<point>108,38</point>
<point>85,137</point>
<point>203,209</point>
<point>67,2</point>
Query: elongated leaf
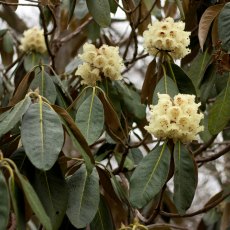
<point>32,59</point>
<point>42,135</point>
<point>76,137</point>
<point>224,27</point>
<point>165,85</point>
<point>205,22</point>
<point>8,43</point>
<point>34,202</point>
<point>103,219</point>
<point>100,10</point>
<point>220,111</point>
<point>184,83</point>
<point>150,176</point>
<point>51,188</point>
<point>83,197</point>
<point>45,84</point>
<point>185,178</point>
<point>90,118</point>
<point>113,6</point>
<point>72,5</point>
<point>5,202</point>
<point>180,7</point>
<point>208,83</point>
<point>18,204</point>
<point>13,116</point>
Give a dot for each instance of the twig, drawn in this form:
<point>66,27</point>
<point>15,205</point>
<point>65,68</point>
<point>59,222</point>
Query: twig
<point>17,4</point>
<point>165,226</point>
<point>214,156</point>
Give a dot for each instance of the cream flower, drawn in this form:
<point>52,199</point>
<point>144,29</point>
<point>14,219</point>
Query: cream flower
<point>105,60</point>
<point>169,36</point>
<point>33,40</point>
<point>176,118</point>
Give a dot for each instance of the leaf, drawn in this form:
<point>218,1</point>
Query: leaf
<point>90,118</point>
<point>13,116</point>
<point>31,60</point>
<point>103,219</point>
<point>184,83</point>
<point>34,202</point>
<point>150,176</point>
<point>51,188</point>
<point>112,121</point>
<point>113,6</point>
<point>76,137</point>
<point>45,84</point>
<point>84,197</point>
<point>224,27</point>
<point>5,202</point>
<point>208,83</point>
<point>18,204</point>
<point>205,22</point>
<point>220,111</point>
<point>149,83</point>
<point>180,7</point>
<point>165,85</point>
<point>185,178</point>
<point>72,5</point>
<point>42,135</point>
<point>8,43</point>
<point>22,88</point>
<point>100,11</point>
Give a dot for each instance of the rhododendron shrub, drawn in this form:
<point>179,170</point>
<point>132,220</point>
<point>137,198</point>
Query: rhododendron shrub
<point>114,115</point>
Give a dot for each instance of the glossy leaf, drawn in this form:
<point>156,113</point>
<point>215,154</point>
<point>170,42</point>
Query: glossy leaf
<point>34,202</point>
<point>44,83</point>
<point>103,219</point>
<point>42,135</point>
<point>17,203</point>
<point>5,202</point>
<point>224,27</point>
<point>90,118</point>
<point>220,111</point>
<point>51,188</point>
<point>100,10</point>
<point>150,176</point>
<point>13,116</point>
<point>184,83</point>
<point>185,178</point>
<point>165,85</point>
<point>83,197</point>
<point>205,22</point>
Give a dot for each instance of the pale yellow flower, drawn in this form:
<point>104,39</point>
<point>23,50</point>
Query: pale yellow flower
<point>176,118</point>
<point>169,36</point>
<point>33,40</point>
<point>106,60</point>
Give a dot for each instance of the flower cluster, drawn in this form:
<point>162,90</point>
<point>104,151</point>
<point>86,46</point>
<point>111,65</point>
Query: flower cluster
<point>176,118</point>
<point>33,40</point>
<point>169,36</point>
<point>104,61</point>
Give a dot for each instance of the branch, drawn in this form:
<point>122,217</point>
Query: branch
<point>214,156</point>
<point>17,4</point>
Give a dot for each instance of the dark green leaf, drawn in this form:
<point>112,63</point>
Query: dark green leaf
<point>5,202</point>
<point>220,111</point>
<point>18,204</point>
<point>42,135</point>
<point>34,202</point>
<point>150,176</point>
<point>100,10</point>
<point>83,197</point>
<point>93,31</point>
<point>184,83</point>
<point>12,117</point>
<point>207,83</point>
<point>51,188</point>
<point>72,5</point>
<point>165,85</point>
<point>2,32</point>
<point>113,6</point>
<point>103,219</point>
<point>45,84</point>
<point>90,118</point>
<point>185,178</point>
<point>224,27</point>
